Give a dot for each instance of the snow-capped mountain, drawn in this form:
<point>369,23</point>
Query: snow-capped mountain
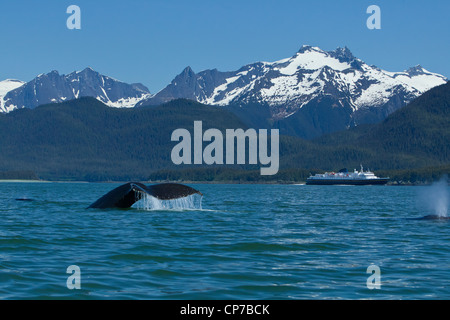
<point>53,87</point>
<point>312,74</point>
<point>311,93</point>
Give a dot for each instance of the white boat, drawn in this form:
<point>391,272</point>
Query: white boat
<point>344,177</point>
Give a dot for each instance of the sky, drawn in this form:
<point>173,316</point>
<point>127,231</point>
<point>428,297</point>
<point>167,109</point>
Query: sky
<point>151,41</point>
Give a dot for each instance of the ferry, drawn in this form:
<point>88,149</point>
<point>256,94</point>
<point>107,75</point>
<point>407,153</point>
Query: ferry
<point>349,178</point>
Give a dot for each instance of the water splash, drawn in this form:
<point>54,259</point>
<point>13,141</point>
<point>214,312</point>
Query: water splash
<point>147,202</point>
<point>436,198</point>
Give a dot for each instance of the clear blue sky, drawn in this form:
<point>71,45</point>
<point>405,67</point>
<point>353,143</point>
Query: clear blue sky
<point>152,41</point>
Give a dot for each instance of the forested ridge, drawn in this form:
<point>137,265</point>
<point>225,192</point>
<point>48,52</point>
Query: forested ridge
<point>83,139</point>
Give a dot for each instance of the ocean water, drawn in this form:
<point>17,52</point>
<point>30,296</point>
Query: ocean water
<point>237,242</point>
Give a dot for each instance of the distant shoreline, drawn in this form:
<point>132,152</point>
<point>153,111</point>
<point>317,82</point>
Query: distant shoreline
<point>393,183</point>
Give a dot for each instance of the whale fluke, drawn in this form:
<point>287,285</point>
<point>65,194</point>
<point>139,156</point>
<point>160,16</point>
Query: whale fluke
<point>127,194</point>
<point>167,191</point>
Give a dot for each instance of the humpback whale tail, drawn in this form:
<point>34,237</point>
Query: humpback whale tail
<point>127,194</point>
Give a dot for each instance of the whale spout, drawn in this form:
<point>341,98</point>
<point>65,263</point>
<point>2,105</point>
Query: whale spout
<point>127,194</point>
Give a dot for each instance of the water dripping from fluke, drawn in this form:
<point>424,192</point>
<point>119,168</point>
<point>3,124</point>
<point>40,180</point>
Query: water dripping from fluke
<point>149,203</point>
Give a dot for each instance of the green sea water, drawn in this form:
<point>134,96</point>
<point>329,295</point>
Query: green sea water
<point>237,242</point>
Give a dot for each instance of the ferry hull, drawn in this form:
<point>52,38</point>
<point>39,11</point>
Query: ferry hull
<point>354,182</point>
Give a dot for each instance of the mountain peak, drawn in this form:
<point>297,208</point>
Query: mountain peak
<point>185,75</point>
<point>188,71</point>
<point>307,48</point>
<point>416,70</point>
<point>51,73</point>
<point>88,70</point>
<point>343,54</point>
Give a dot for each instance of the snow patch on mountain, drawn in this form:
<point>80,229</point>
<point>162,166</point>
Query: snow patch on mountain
<point>5,87</point>
<point>312,59</point>
<point>8,85</point>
